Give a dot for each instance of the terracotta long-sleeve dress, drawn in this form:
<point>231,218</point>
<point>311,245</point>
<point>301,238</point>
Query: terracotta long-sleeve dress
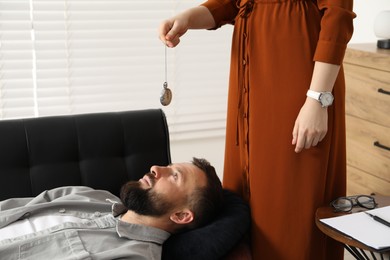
<point>275,44</point>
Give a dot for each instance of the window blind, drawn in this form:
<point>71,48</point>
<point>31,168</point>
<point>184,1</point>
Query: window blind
<point>16,77</point>
<point>79,56</point>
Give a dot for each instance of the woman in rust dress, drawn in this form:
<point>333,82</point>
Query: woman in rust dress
<point>285,150</point>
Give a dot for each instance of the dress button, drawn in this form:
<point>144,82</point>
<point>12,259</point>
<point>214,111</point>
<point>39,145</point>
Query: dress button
<point>62,211</point>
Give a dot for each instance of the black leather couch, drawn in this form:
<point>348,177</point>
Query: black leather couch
<point>104,150</point>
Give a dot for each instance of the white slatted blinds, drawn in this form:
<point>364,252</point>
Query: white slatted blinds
<point>16,67</point>
<point>79,56</point>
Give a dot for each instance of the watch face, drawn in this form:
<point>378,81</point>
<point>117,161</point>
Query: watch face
<point>326,99</point>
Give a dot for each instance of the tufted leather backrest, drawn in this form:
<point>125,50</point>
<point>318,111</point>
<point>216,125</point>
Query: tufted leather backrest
<point>101,150</point>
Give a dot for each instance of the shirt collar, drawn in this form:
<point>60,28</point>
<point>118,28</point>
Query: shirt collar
<point>135,231</point>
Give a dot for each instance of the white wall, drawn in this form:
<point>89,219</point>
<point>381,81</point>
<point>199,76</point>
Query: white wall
<point>213,149</point>
<point>366,11</point>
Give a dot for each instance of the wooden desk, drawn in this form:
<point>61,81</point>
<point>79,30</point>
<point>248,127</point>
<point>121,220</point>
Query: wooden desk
<point>356,248</point>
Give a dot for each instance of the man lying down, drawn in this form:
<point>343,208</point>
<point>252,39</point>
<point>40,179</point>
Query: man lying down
<point>83,223</point>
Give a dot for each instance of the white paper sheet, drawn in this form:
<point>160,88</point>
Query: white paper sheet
<point>364,228</point>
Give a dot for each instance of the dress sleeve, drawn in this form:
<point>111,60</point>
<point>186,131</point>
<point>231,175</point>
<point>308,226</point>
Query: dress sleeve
<point>336,30</point>
<point>223,11</point>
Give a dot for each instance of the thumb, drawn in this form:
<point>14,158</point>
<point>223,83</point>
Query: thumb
<point>295,134</point>
<point>176,31</point>
<point>164,30</point>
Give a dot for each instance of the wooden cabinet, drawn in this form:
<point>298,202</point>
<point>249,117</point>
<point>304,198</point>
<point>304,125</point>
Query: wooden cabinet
<point>367,76</point>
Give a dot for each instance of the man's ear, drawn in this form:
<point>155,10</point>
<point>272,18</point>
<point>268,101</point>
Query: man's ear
<point>182,217</point>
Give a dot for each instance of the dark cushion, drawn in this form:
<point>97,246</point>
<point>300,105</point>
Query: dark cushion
<point>214,240</point>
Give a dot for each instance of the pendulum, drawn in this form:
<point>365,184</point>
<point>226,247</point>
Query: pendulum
<point>166,93</point>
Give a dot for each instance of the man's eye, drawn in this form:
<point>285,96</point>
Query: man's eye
<point>175,175</point>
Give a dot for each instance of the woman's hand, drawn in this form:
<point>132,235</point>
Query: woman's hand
<point>310,126</point>
<point>172,29</point>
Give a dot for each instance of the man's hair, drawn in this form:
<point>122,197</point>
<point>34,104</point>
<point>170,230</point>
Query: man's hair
<point>207,201</point>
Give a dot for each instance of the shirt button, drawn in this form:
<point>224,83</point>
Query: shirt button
<point>25,215</point>
<point>244,62</point>
<point>62,211</point>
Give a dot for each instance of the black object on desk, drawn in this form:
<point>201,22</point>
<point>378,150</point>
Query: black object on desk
<point>380,220</point>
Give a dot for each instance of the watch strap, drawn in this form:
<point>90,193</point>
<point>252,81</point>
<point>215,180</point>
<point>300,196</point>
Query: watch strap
<point>314,94</point>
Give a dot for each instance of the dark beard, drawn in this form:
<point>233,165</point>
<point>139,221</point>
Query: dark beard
<point>144,201</point>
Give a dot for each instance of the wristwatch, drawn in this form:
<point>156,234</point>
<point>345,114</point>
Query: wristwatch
<point>325,98</point>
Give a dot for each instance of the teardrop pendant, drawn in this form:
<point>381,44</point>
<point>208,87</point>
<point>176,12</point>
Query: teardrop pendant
<point>166,95</point>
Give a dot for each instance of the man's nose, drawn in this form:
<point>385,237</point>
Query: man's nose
<point>158,171</point>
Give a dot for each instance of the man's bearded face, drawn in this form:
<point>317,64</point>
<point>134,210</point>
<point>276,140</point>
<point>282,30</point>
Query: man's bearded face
<point>144,201</point>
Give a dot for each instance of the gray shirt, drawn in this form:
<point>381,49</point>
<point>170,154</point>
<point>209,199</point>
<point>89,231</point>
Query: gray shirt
<point>101,235</point>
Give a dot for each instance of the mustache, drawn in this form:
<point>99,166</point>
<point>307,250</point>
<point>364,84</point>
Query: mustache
<point>150,178</point>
